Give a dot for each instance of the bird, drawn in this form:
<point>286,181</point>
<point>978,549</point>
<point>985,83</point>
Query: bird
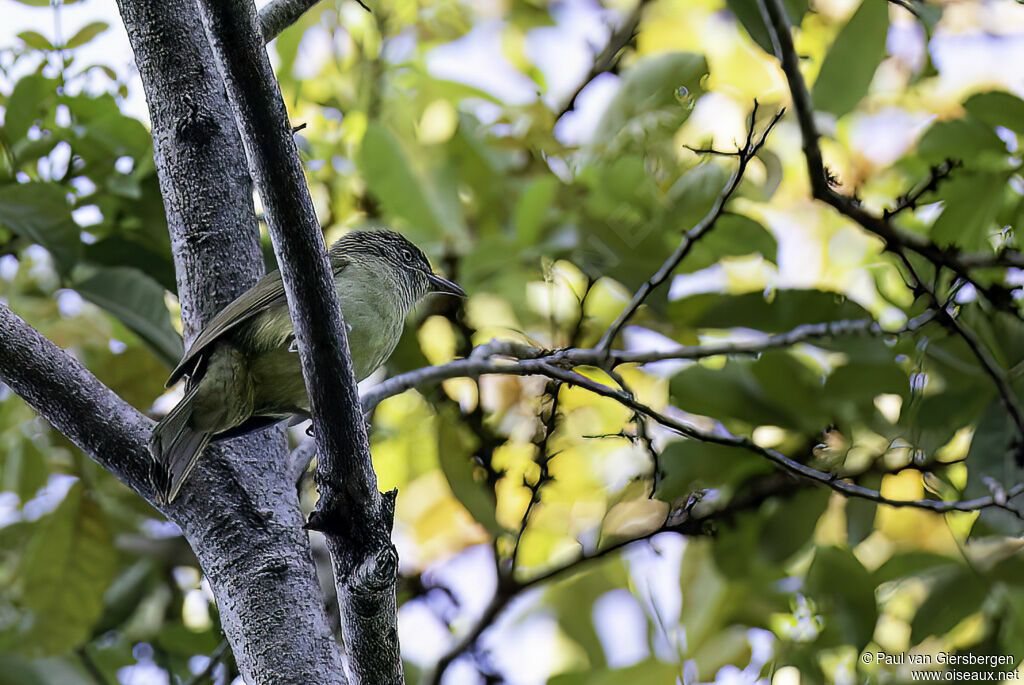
<point>242,373</point>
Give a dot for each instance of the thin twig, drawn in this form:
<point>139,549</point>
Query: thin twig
<point>995,371</point>
<point>747,152</point>
<point>895,238</point>
<point>606,60</point>
<point>936,175</point>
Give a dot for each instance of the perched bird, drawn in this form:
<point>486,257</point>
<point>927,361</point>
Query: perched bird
<point>243,371</point>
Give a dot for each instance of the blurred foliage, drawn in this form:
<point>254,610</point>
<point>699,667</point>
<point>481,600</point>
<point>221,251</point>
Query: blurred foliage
<point>549,229</point>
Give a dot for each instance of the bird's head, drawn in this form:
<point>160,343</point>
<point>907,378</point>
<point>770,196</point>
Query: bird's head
<point>392,252</point>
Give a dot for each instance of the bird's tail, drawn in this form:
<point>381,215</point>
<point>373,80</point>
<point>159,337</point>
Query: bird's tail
<point>175,448</point>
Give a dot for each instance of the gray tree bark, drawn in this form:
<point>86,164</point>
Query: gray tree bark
<point>239,511</point>
<point>354,516</point>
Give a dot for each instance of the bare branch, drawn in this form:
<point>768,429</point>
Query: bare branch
<point>606,60</point>
<point>691,236</point>
<point>936,175</point>
<point>355,518</point>
<point>721,436</point>
<point>894,237</point>
<point>558,365</point>
<point>504,357</point>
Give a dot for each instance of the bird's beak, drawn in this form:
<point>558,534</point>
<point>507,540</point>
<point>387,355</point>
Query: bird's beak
<point>443,285</point>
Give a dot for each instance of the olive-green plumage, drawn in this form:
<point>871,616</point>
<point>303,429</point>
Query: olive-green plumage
<point>243,371</point>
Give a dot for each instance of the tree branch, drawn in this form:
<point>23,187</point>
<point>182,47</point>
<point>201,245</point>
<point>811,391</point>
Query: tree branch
<point>691,236</point>
<point>93,416</point>
<point>526,360</point>
<point>277,15</point>
<point>353,515</point>
<point>606,60</point>
<point>895,238</point>
<point>249,544</point>
<point>558,365</point>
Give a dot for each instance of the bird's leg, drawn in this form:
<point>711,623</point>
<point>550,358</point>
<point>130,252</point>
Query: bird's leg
<point>293,346</point>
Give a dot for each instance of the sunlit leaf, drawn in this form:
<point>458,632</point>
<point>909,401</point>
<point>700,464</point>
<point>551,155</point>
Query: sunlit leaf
<point>36,40</point>
<point>65,570</point>
<point>852,60</point>
<point>86,34</point>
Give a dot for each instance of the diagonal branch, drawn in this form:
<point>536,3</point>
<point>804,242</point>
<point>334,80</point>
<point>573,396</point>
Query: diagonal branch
<point>277,15</point>
<point>745,154</point>
<point>606,60</point>
<point>92,416</point>
<point>721,436</point>
<point>559,365</point>
<point>354,516</point>
<point>895,238</point>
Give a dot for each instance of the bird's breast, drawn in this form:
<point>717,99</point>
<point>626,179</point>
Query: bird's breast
<point>373,316</point>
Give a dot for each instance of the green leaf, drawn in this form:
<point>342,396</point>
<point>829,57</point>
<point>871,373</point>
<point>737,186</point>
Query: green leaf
<point>32,97</point>
<point>532,208</point>
<point>860,513</point>
<point>653,83</point>
<point>690,465</point>
<point>907,564</point>
<point>40,212</point>
<point>749,15</point>
<point>850,390</point>
<point>573,601</point>
<point>401,192</point>
<point>36,40</point>
<point>997,108</point>
<point>777,312</point>
<point>87,33</point>
<point>66,568</point>
<point>845,592</point>
<point>455,449</point>
<point>751,391</point>
<point>992,455</point>
<point>972,202</point>
<point>734,235</point>
<point>966,139</point>
<point>790,523</point>
<point>853,58</point>
<point>137,301</point>
<point>950,600</point>
<point>649,671</point>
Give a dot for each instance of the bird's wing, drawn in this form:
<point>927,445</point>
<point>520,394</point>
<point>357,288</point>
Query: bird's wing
<point>268,291</point>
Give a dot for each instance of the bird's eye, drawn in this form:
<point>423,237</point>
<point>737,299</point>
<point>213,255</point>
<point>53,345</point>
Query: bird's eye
<point>407,255</point>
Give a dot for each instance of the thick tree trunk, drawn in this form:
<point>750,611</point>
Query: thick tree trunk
<point>356,518</point>
<point>239,511</point>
